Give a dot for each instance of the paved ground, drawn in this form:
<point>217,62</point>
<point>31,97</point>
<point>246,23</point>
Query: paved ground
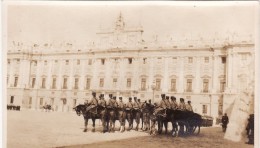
<point>55,129</point>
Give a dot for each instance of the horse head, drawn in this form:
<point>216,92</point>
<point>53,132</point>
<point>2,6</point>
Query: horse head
<point>78,110</point>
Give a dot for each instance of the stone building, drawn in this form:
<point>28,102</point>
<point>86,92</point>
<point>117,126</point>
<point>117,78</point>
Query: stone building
<point>210,75</point>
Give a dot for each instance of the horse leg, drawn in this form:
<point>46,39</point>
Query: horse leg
<point>93,126</point>
<point>166,127</point>
<point>86,125</point>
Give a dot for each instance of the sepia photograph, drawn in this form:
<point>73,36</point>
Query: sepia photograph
<point>130,74</point>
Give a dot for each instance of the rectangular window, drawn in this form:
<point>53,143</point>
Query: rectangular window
<point>43,82</point>
<point>189,85</point>
<point>102,61</point>
<point>12,100</point>
<point>78,62</point>
<point>88,83</point>
<point>8,61</point>
<point>143,84</point>
<point>30,100</point>
<point>205,85</point>
<point>53,83</point>
<point>206,60</point>
<point>174,60</point>
<point>18,61</point>
<point>128,83</point>
<point>222,85</point>
<point>41,101</point>
<point>89,61</point>
<point>204,109</point>
<point>67,62</point>
<point>158,84</point>
<point>33,82</point>
<point>74,102</point>
<point>130,60</point>
<point>223,60</point>
<point>52,101</point>
<point>45,62</point>
<point>144,60</point>
<point>101,82</point>
<point>76,85</point>
<point>34,63</point>
<point>15,81</point>
<point>114,82</point>
<point>173,84</point>
<point>65,83</point>
<point>190,59</point>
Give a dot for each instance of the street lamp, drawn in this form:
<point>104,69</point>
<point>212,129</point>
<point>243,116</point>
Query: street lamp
<point>153,86</point>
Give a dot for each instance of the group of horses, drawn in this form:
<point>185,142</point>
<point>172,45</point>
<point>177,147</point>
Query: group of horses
<point>47,108</point>
<point>183,122</point>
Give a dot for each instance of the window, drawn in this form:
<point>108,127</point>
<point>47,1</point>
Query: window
<point>102,61</point>
<point>43,82</point>
<point>130,60</point>
<point>53,83</point>
<point>8,61</point>
<point>74,102</point>
<point>45,62</point>
<point>33,82</point>
<point>189,85</point>
<point>34,63</point>
<point>222,85</point>
<point>173,84</point>
<point>41,101</point>
<point>190,59</point>
<point>67,62</point>
<point>158,84</point>
<point>143,84</point>
<point>30,100</point>
<point>243,56</point>
<point>128,83</point>
<point>12,100</point>
<point>88,83</point>
<point>223,60</point>
<point>15,81</point>
<point>174,60</point>
<point>78,62</point>
<point>204,109</point>
<point>114,82</point>
<point>205,85</point>
<point>206,60</point>
<point>65,83</point>
<point>144,60</point>
<point>101,82</point>
<point>64,101</point>
<point>90,62</point>
<point>18,61</point>
<point>76,85</point>
<point>52,101</point>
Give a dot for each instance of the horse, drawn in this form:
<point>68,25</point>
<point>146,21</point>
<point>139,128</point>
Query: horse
<point>97,112</point>
<point>146,113</point>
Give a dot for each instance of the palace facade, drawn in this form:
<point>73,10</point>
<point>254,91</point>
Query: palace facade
<point>211,76</point>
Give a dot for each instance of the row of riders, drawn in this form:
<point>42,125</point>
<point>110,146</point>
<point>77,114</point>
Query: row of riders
<point>183,120</point>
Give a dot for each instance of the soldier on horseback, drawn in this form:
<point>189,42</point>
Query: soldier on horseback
<point>112,106</point>
<point>93,103</point>
<point>167,102</point>
<point>129,108</point>
<point>121,114</point>
<point>103,104</point>
<point>182,105</point>
<point>137,112</point>
<point>189,107</point>
<point>173,103</point>
<point>162,105</point>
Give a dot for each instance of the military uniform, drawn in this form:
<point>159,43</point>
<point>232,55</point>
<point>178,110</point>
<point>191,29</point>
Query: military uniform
<point>162,105</point>
<point>121,114</point>
<point>182,105</point>
<point>189,107</point>
<point>173,103</point>
<point>167,103</point>
<point>102,102</point>
<point>112,103</point>
<point>129,107</point>
<point>93,102</point>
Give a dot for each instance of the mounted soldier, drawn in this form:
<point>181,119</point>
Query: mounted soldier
<point>173,103</point>
<point>182,105</point>
<point>167,102</point>
<point>129,108</point>
<point>136,112</point>
<point>162,105</point>
<point>189,107</point>
<point>103,113</point>
<point>112,106</point>
<point>93,103</point>
<point>121,114</point>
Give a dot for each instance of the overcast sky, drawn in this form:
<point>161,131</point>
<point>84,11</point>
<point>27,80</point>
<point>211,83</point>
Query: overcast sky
<point>57,23</point>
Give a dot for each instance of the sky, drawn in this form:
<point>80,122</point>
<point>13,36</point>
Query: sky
<point>79,23</point>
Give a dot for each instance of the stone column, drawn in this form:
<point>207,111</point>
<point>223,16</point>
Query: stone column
<point>166,75</point>
<point>215,73</point>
